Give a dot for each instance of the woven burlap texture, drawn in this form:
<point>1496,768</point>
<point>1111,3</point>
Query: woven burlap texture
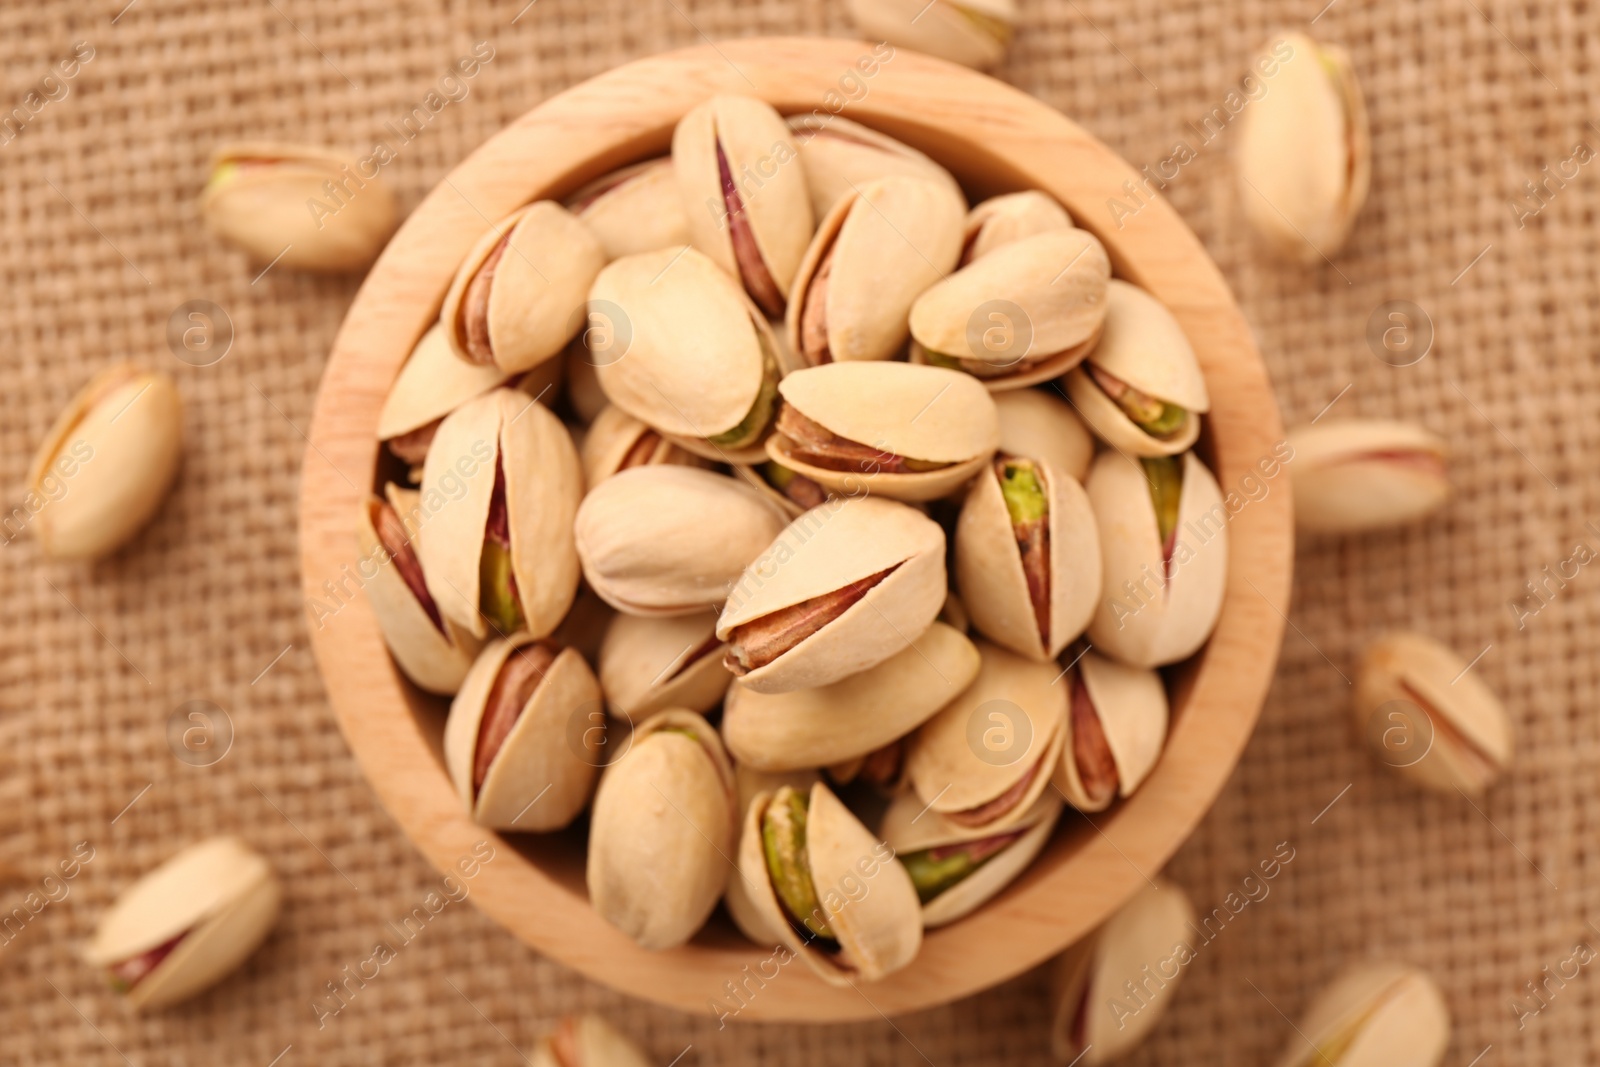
<point>103,241</point>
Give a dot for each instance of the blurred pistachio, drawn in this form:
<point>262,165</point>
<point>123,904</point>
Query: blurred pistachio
<point>1355,475</point>
<point>974,33</point>
<point>1373,1015</point>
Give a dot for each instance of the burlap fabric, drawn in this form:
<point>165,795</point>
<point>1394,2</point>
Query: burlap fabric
<point>102,241</point>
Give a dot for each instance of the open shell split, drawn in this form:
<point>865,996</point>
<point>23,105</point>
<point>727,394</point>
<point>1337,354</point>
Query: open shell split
<point>648,663</point>
<point>1111,755</point>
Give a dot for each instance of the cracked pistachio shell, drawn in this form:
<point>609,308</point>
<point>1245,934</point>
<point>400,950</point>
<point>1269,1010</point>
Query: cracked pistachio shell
<point>1144,618</point>
<point>616,441</point>
<point>774,206</point>
<point>432,383</point>
<point>1009,217</point>
<point>534,301</point>
<point>1354,475</point>
<point>275,202</point>
<point>1041,425</point>
<point>1144,346</point>
<point>880,247</point>
<point>435,656</point>
<point>908,828</point>
<point>1304,154</point>
<point>648,663</point>
<point>635,209</point>
<point>989,569</point>
<point>1373,1015</point>
<point>220,896</point>
<point>1027,312</point>
<point>689,354</point>
<point>1131,706</point>
<point>840,155</point>
<point>502,430</point>
<point>671,540</point>
<point>827,549</point>
<point>587,1041</point>
<point>1090,977</point>
<point>927,414</point>
<point>864,895</point>
<point>662,830</point>
<point>854,716</point>
<point>974,33</point>
<point>986,758</point>
<point>106,464</point>
<point>749,783</point>
<point>1467,741</point>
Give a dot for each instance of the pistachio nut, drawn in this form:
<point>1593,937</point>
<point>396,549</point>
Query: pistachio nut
<point>617,441</point>
<point>1009,217</point>
<point>841,589</point>
<point>788,489</point>
<point>1429,717</point>
<point>955,868</point>
<point>298,206</point>
<point>1164,547</point>
<point>432,383</point>
<point>187,924</point>
<point>974,33</point>
<point>671,540</point>
<point>854,716</point>
<point>107,463</point>
<point>983,761</point>
<point>502,483</point>
<point>1040,424</point>
<point>840,155</point>
<point>1027,556</point>
<point>1354,475</point>
<point>430,649</point>
<point>745,196</point>
<point>880,247</point>
<point>1092,1024</point>
<point>648,663</point>
<point>1027,312</point>
<point>1116,728</point>
<point>1141,389</point>
<point>830,890</point>
<point>662,830</point>
<point>1304,151</point>
<point>635,209</point>
<point>898,430</point>
<point>748,783</point>
<point>518,297</point>
<point>699,364</point>
<point>1373,1015</point>
<point>583,392</point>
<point>587,1041</point>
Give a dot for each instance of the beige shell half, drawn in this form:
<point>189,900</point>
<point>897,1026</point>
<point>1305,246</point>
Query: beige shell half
<point>222,892</point>
<point>545,770</point>
<point>662,830</point>
<point>888,241</point>
<point>989,572</point>
<point>613,435</point>
<point>840,155</point>
<point>540,284</point>
<point>543,484</point>
<point>1005,728</point>
<point>943,28</point>
<point>648,663</point>
<point>1039,424</point>
<point>671,540</point>
<point>865,894</point>
<point>1384,1015</point>
<point>1354,475</point>
<point>748,784</point>
<point>594,1043</point>
<point>825,549</point>
<point>854,716</point>
<point>1144,618</point>
<point>1009,217</point>
<point>1131,704</point>
<point>106,464</point>
<point>635,209</point>
<point>432,383</point>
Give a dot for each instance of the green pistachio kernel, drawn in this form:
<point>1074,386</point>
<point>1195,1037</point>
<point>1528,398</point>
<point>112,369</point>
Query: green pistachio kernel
<point>494,584</point>
<point>783,839</point>
<point>934,876</point>
<point>1023,491</point>
<point>1164,474</point>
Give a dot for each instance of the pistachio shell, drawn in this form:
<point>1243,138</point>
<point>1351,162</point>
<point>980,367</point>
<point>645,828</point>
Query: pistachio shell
<point>853,716</point>
<point>1091,977</point>
<point>587,1041</point>
<point>617,441</point>
<point>865,897</point>
<point>987,756</point>
<point>662,828</point>
<point>749,783</point>
<point>535,297</point>
<point>1354,475</point>
<point>1373,1015</point>
<point>671,540</point>
<point>635,209</point>
<point>1025,313</point>
<point>648,663</point>
<point>974,33</point>
<point>991,575</point>
<point>1009,217</point>
<point>824,551</point>
<point>1145,618</point>
<point>507,432</point>
<point>431,384</point>
<point>1130,706</point>
<point>106,464</point>
<point>219,896</point>
<point>879,248</point>
<point>895,410</point>
<point>1041,425</point>
<point>840,155</point>
<point>304,208</point>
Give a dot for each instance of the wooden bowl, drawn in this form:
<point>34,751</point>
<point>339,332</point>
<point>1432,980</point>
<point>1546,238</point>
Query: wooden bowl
<point>994,139</point>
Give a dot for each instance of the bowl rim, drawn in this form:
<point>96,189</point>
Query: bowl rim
<point>626,114</point>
